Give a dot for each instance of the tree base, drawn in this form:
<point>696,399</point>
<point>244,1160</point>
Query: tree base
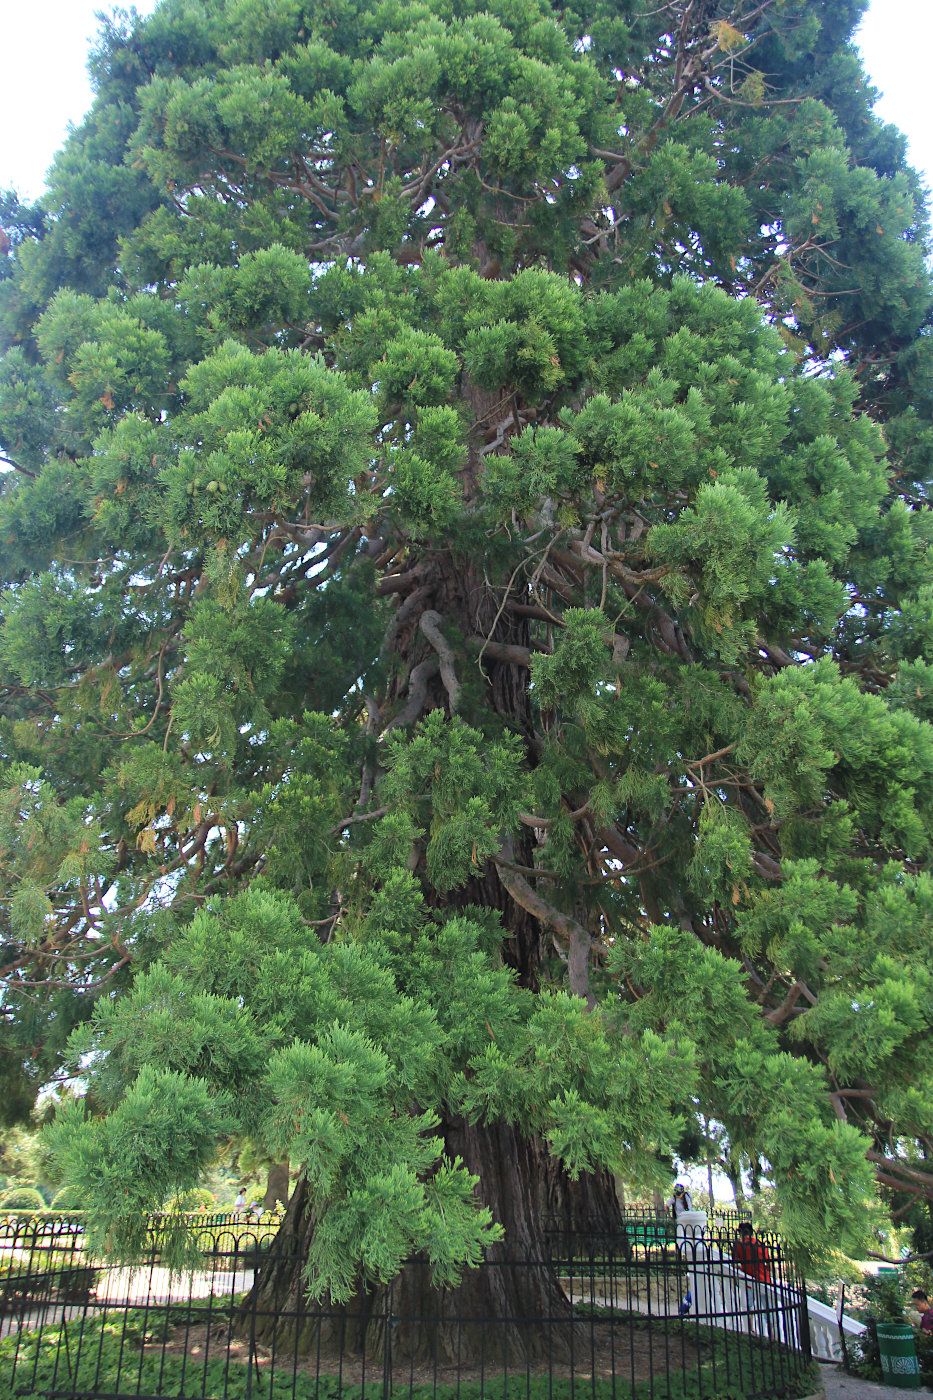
<point>511,1311</point>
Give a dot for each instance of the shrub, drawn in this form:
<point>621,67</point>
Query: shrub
<point>67,1198</point>
<point>22,1198</point>
<point>887,1299</point>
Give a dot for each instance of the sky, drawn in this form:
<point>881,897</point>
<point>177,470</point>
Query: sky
<point>44,85</point>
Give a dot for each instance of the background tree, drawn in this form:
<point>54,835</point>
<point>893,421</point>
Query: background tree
<point>464,656</point>
<point>23,1166</point>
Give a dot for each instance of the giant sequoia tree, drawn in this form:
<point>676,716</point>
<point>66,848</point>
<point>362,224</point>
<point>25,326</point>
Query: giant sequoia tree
<point>467,654</point>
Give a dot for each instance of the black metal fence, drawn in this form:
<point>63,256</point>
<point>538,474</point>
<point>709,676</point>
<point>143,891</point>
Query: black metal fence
<point>640,1224</point>
<point>720,1218</point>
<point>589,1317</point>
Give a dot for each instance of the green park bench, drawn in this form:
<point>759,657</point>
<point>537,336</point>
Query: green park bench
<point>650,1232</point>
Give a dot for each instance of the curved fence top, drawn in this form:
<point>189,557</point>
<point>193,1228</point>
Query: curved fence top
<point>220,1232</point>
<point>612,1316</point>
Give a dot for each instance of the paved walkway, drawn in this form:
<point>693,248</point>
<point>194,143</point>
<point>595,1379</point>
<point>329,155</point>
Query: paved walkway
<point>840,1386</point>
<point>151,1285</point>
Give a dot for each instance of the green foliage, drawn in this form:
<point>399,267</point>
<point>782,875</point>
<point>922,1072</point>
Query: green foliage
<point>161,1133</point>
<point>886,1298</point>
<point>467,794</point>
<point>466,639</point>
<point>880,760</point>
<point>22,1198</point>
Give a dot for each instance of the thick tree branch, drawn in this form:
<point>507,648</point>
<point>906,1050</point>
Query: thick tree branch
<point>431,627</point>
<point>401,615</point>
<point>417,694</point>
<point>923,1179</point>
<point>398,583</point>
<point>617,845</point>
<point>501,651</point>
<point>579,941</point>
<point>780,1014</point>
<point>893,1184</point>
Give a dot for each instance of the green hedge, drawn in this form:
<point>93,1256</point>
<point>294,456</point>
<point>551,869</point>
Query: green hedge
<point>22,1198</point>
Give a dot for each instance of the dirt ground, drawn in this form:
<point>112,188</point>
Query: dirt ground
<point>635,1355</point>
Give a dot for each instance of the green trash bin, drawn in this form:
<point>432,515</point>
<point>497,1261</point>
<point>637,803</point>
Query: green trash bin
<point>899,1364</point>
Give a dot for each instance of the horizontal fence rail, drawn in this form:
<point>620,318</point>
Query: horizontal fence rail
<point>52,1221</point>
<point>587,1316</point>
<point>637,1220</point>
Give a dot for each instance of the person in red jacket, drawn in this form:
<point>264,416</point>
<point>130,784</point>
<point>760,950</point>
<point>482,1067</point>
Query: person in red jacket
<point>751,1255</point>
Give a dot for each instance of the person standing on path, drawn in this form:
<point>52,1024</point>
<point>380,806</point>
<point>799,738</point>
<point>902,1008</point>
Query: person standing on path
<point>679,1201</point>
<point>676,1205</point>
<point>751,1255</point>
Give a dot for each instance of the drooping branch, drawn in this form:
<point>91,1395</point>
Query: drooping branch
<point>24,471</point>
<point>889,1165</point>
<point>578,940</point>
<point>417,694</point>
<point>355,820</point>
<point>431,627</point>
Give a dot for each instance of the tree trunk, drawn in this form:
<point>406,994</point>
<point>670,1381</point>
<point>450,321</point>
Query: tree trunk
<point>512,1309</point>
<point>733,1169</point>
<point>276,1186</point>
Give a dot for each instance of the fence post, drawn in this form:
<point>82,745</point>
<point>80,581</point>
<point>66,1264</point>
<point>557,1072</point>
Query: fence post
<point>387,1345</point>
<point>252,1358</point>
<point>803,1324</point>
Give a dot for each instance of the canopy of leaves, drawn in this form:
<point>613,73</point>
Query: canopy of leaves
<point>467,633</point>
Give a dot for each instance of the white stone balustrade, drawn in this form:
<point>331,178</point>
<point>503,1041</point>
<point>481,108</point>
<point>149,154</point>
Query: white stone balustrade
<point>725,1296</point>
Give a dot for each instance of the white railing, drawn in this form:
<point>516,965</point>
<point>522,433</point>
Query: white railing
<point>825,1342</point>
<point>726,1296</point>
